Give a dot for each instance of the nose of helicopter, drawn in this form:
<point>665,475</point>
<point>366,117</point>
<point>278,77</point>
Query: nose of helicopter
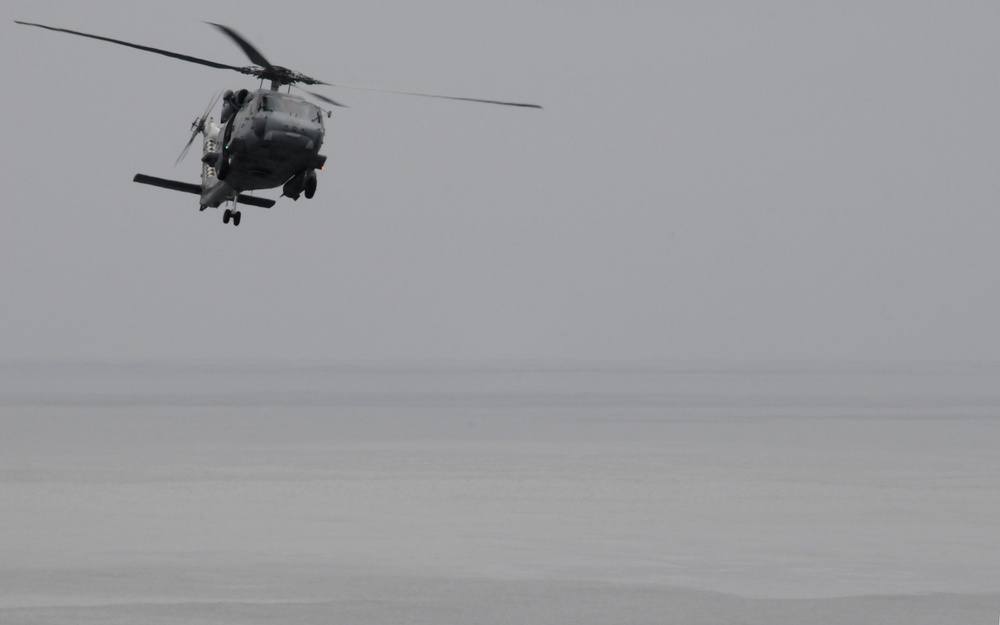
<point>288,133</point>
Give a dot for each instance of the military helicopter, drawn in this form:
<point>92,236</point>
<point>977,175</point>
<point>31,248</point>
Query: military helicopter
<point>264,138</point>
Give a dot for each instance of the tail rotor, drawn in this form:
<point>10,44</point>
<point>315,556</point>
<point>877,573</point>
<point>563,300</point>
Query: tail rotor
<point>198,126</point>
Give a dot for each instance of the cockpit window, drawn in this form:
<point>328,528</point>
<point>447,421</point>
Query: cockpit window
<point>295,108</point>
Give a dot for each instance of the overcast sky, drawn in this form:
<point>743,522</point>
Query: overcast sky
<point>708,180</point>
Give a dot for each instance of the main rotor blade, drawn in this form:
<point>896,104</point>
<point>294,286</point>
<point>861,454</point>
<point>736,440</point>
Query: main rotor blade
<point>174,55</point>
<point>320,96</point>
<point>442,97</point>
<point>252,53</point>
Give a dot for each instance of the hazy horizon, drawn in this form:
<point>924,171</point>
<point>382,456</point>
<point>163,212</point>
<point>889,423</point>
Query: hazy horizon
<point>711,338</point>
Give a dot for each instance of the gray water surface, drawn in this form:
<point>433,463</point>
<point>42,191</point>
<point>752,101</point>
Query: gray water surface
<point>499,493</point>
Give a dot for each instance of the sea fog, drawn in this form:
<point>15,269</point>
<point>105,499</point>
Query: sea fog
<point>499,493</point>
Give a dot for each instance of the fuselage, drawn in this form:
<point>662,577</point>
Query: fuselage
<point>272,139</point>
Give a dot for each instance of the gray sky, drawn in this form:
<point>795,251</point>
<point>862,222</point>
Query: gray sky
<point>708,180</point>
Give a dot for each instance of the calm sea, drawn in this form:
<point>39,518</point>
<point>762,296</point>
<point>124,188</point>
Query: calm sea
<point>499,492</point>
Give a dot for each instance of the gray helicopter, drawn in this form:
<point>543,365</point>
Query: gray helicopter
<point>264,138</point>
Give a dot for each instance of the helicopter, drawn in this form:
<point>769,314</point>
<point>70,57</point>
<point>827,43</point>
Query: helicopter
<point>264,138</point>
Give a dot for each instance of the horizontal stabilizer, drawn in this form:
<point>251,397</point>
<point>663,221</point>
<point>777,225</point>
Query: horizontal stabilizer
<point>188,187</point>
<point>251,200</point>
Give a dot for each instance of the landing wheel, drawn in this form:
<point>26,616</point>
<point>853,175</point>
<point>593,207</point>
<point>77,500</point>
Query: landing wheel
<point>310,186</point>
<point>226,216</point>
<point>236,218</point>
